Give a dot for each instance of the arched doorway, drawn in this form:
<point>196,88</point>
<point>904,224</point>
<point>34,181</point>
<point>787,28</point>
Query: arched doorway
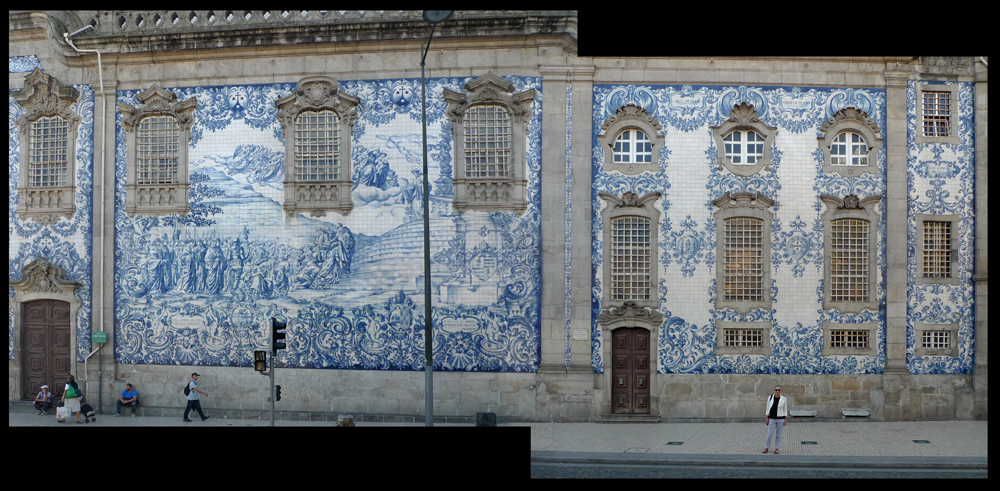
<point>46,347</point>
<point>630,371</point>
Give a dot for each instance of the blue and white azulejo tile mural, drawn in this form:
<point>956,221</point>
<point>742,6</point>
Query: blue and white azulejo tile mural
<point>941,181</point>
<point>67,243</point>
<point>689,179</point>
<point>202,290</point>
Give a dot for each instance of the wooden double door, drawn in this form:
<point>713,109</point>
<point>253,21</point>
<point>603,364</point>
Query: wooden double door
<point>630,371</point>
<point>47,344</point>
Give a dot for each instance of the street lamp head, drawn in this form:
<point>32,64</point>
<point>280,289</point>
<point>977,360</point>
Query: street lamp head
<point>437,16</point>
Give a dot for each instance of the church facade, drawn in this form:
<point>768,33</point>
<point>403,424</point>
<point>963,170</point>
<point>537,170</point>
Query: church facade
<point>640,238</point>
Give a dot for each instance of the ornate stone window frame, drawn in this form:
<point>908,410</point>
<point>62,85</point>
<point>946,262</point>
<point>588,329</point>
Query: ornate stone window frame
<point>743,117</point>
<point>951,328</point>
<point>315,94</point>
<point>486,193</point>
<point>720,338</point>
<point>829,327</point>
<point>754,205</point>
<point>157,198</point>
<point>630,117</point>
<point>925,86</point>
<point>41,97</point>
<point>850,119</point>
<point>631,204</point>
<point>850,207</point>
<point>953,246</point>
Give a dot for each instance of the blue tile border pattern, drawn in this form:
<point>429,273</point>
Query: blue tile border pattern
<point>690,179</point>
<point>201,290</point>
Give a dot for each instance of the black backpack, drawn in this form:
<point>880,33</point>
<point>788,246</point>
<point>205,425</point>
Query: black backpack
<point>187,388</point>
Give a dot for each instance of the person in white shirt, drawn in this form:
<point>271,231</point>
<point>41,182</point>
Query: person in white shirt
<point>192,398</point>
<point>775,415</point>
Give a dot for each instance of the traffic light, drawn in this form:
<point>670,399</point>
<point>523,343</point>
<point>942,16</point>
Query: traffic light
<point>277,338</point>
<point>277,392</point>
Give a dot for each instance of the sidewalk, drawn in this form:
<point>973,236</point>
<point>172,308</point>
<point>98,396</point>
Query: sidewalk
<point>952,444</point>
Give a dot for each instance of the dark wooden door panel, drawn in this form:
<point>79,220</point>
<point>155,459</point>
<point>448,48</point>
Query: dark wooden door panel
<point>46,346</point>
<point>630,371</point>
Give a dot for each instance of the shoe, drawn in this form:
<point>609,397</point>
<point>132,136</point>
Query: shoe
<point>206,417</point>
<point>776,451</point>
<point>117,414</point>
<point>765,450</point>
<point>133,415</point>
<point>187,420</point>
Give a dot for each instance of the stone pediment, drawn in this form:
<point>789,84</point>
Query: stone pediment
<point>41,276</point>
<point>630,314</point>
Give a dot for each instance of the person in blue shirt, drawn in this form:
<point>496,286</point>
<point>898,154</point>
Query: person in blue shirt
<point>129,397</point>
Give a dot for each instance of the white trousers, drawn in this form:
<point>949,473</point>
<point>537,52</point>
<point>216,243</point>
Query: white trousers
<point>774,425</point>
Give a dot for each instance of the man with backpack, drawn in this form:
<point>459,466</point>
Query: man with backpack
<point>191,390</point>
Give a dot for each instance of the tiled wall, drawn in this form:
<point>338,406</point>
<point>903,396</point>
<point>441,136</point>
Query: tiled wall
<point>203,291</point>
<point>941,181</point>
<point>689,179</point>
<point>66,243</point>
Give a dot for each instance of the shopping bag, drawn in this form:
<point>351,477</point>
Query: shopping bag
<point>62,413</point>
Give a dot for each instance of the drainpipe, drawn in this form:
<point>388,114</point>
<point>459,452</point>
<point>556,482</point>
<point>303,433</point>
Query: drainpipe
<point>104,128</point>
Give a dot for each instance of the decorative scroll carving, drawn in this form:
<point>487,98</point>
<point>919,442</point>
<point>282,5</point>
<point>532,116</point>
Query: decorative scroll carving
<point>630,314</point>
<point>744,200</point>
<point>41,276</point>
<point>850,114</point>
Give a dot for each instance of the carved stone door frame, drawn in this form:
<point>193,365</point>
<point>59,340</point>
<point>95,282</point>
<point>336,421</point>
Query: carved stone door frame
<point>41,280</point>
<point>629,315</point>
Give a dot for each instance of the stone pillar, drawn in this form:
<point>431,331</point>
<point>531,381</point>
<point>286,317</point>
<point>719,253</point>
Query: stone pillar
<point>896,77</point>
<point>581,240</point>
<point>553,218</point>
<point>980,359</point>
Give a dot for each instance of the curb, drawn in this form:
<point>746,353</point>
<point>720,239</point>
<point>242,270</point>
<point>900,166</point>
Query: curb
<point>824,461</point>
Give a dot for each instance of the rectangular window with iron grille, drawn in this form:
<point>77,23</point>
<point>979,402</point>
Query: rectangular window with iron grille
<point>845,338</point>
<point>937,249</point>
<point>630,262</point>
<point>849,257</point>
<point>158,150</point>
<point>487,141</point>
<point>936,111</point>
<point>743,259</point>
<point>744,338</point>
<point>49,160</point>
<point>317,146</point>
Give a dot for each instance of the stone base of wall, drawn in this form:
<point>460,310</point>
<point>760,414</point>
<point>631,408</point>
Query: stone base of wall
<point>546,396</point>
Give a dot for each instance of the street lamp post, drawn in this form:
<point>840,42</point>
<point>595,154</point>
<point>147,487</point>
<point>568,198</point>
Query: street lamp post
<point>432,17</point>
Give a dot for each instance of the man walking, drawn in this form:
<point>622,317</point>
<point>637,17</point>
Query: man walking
<point>193,402</point>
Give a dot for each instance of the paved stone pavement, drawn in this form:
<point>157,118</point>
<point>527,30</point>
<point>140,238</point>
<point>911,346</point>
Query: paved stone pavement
<point>952,444</point>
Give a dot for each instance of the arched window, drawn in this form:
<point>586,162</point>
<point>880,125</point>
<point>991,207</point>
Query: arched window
<point>744,147</point>
<point>633,146</point>
<point>849,148</point>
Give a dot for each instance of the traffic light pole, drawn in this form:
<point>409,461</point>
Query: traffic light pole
<point>272,387</point>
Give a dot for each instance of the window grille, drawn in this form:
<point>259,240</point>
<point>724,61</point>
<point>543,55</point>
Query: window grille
<point>849,256</point>
<point>743,338</point>
<point>630,267</point>
<point>487,142</point>
<point>633,146</point>
<point>937,113</point>
<point>157,153</point>
<point>937,249</point>
<point>317,146</point>
<point>49,159</point>
<point>744,248</point>
<point>744,147</point>
<point>937,339</point>
<point>843,338</point>
<point>849,148</point>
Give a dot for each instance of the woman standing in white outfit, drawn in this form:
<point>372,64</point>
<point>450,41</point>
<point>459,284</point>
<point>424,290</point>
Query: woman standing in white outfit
<point>774,417</point>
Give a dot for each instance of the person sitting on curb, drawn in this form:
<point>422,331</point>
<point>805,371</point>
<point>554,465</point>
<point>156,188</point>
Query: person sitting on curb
<point>130,398</point>
<point>43,401</point>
